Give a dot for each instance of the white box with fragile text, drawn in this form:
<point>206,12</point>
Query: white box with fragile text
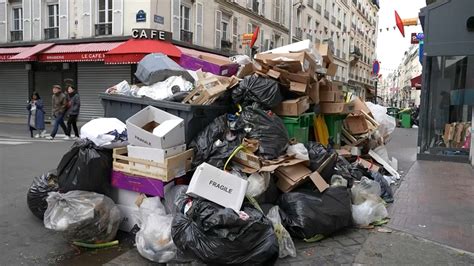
<point>218,186</point>
<point>169,130</point>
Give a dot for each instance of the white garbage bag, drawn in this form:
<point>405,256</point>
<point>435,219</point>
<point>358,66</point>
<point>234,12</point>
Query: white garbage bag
<point>258,183</point>
<point>364,190</point>
<point>368,212</point>
<point>285,242</point>
<point>164,89</point>
<point>96,130</point>
<point>387,123</point>
<point>299,150</point>
<point>122,88</point>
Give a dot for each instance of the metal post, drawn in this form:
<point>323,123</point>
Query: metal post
<point>376,82</point>
<point>290,40</point>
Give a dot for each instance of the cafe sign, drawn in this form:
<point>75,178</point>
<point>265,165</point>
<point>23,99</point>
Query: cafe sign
<point>152,34</point>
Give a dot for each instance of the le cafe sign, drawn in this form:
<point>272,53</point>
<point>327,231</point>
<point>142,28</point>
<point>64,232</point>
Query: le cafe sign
<point>152,34</point>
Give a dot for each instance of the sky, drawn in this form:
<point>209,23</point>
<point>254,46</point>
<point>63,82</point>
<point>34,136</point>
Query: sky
<point>391,45</point>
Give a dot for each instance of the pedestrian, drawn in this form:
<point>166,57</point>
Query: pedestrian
<point>59,105</point>
<point>36,115</point>
<point>74,106</point>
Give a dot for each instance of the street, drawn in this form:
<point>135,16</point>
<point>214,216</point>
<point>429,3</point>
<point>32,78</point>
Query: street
<point>26,241</point>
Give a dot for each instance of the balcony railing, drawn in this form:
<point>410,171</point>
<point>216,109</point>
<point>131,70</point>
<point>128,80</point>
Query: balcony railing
<point>333,20</point>
<point>344,28</point>
<point>310,3</point>
<point>51,33</point>
<point>16,35</point>
<point>299,34</point>
<point>354,2</point>
<point>339,24</point>
<point>353,26</point>
<point>338,53</point>
<point>344,56</point>
<point>326,14</point>
<point>318,8</point>
<point>103,29</point>
<point>186,36</point>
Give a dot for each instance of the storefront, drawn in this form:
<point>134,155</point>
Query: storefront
<point>447,81</point>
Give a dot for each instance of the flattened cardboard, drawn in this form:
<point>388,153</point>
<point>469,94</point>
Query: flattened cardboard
<point>253,163</point>
<point>298,87</point>
<point>293,107</point>
<point>308,64</point>
<point>290,177</point>
<point>359,105</point>
<point>331,96</point>
<point>331,108</point>
<point>356,124</point>
<point>313,92</point>
<point>331,70</point>
<point>319,181</point>
<point>368,165</point>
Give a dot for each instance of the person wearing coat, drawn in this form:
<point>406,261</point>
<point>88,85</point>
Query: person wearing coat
<point>74,106</point>
<point>36,116</point>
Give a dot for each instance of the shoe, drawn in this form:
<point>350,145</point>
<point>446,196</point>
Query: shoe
<point>67,138</point>
<point>37,136</point>
<point>50,138</point>
<point>43,133</point>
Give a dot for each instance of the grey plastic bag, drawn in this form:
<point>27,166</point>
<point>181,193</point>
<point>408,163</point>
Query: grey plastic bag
<point>158,67</point>
<point>285,242</point>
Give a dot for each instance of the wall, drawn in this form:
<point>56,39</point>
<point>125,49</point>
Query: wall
<point>130,11</point>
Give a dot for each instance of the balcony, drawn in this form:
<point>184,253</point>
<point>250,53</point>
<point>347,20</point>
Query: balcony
<point>16,35</point>
<point>344,28</point>
<point>299,33</point>
<point>326,14</point>
<point>51,33</point>
<point>338,53</point>
<point>355,55</point>
<point>103,29</point>
<point>354,2</point>
<point>344,56</point>
<point>339,24</point>
<point>333,20</point>
<point>345,2</point>
<point>353,26</point>
<point>318,8</point>
<point>310,3</point>
<point>186,36</point>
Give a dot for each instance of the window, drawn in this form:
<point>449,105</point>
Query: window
<point>185,17</point>
<point>53,16</point>
<point>310,21</point>
<point>225,29</point>
<point>277,10</point>
<point>104,18</point>
<point>17,19</point>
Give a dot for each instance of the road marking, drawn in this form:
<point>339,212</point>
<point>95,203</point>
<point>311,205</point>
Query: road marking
<point>22,141</point>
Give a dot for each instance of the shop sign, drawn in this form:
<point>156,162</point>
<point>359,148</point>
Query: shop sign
<point>141,16</point>
<point>152,34</point>
<point>72,57</point>
<point>6,56</point>
<point>159,19</point>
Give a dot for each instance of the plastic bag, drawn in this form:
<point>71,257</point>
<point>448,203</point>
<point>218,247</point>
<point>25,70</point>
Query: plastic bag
<point>82,216</point>
<point>317,155</point>
<point>271,194</point>
<point>122,88</point>
<point>215,143</point>
<point>306,214</point>
<point>285,242</point>
<point>387,123</point>
<point>154,240</point>
<point>176,198</point>
<point>258,184</point>
<point>338,181</point>
<point>268,129</point>
<point>158,67</point>
<point>299,150</point>
<point>85,167</point>
<point>368,212</point>
<point>167,88</point>
<point>97,130</point>
<point>218,235</point>
<point>240,59</point>
<point>255,89</point>
<point>38,192</point>
<point>365,189</point>
<point>385,190</point>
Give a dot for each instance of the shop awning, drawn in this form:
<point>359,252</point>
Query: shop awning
<point>30,54</point>
<point>133,50</point>
<point>84,52</point>
<point>416,82</point>
<point>7,53</point>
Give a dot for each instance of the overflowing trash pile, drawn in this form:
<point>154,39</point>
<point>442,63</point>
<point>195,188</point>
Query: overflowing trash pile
<point>293,157</point>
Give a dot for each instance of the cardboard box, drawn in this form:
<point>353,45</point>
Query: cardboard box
<point>307,63</point>
<point>331,69</point>
<point>298,87</point>
<point>331,96</point>
<point>218,186</point>
<point>252,163</point>
<point>331,108</point>
<point>209,64</point>
<point>313,93</point>
<point>293,107</point>
<point>140,184</point>
<point>326,85</point>
<point>152,154</point>
<point>290,177</point>
<point>359,105</point>
<point>368,165</point>
<point>129,217</point>
<point>325,52</point>
<point>155,128</point>
<point>356,124</point>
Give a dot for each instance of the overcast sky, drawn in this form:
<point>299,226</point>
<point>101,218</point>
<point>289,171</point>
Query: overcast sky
<point>390,44</point>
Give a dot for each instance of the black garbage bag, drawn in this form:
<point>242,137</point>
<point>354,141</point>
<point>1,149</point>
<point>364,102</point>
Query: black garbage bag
<point>256,89</point>
<point>317,155</point>
<point>271,195</point>
<point>218,235</point>
<point>306,213</point>
<point>38,192</point>
<point>342,168</point>
<point>85,167</point>
<point>386,191</point>
<point>215,143</point>
<point>267,128</point>
<point>175,199</point>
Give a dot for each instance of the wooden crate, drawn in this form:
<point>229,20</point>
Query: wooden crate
<point>173,167</point>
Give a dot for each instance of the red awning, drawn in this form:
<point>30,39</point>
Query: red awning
<point>7,53</point>
<point>416,82</point>
<point>30,54</point>
<point>84,52</point>
<point>133,50</point>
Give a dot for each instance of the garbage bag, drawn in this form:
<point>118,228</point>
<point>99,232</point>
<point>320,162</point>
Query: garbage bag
<point>385,190</point>
<point>122,88</point>
<point>317,155</point>
<point>85,167</point>
<point>387,123</point>
<point>365,189</point>
<point>82,216</point>
<point>154,240</point>
<point>306,214</point>
<point>167,88</point>
<point>342,168</point>
<point>267,128</point>
<point>38,192</point>
<point>158,67</point>
<point>255,89</point>
<point>258,184</point>
<point>271,194</point>
<point>218,235</point>
<point>99,130</point>
<point>368,212</point>
<point>215,143</point>
<point>285,242</point>
<point>299,150</point>
<point>175,199</point>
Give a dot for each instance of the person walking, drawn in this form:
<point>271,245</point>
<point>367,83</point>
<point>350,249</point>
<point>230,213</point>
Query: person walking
<point>59,105</point>
<point>36,115</point>
<point>74,106</point>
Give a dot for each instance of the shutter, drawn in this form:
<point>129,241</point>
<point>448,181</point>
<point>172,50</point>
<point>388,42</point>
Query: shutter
<point>199,28</point>
<point>3,21</point>
<point>87,18</point>
<point>63,19</point>
<point>249,4</point>
<point>117,17</point>
<point>262,40</point>
<point>176,19</point>
<point>94,78</point>
<point>218,29</point>
<point>26,20</point>
<point>283,13</point>
<point>14,80</point>
<point>36,21</point>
